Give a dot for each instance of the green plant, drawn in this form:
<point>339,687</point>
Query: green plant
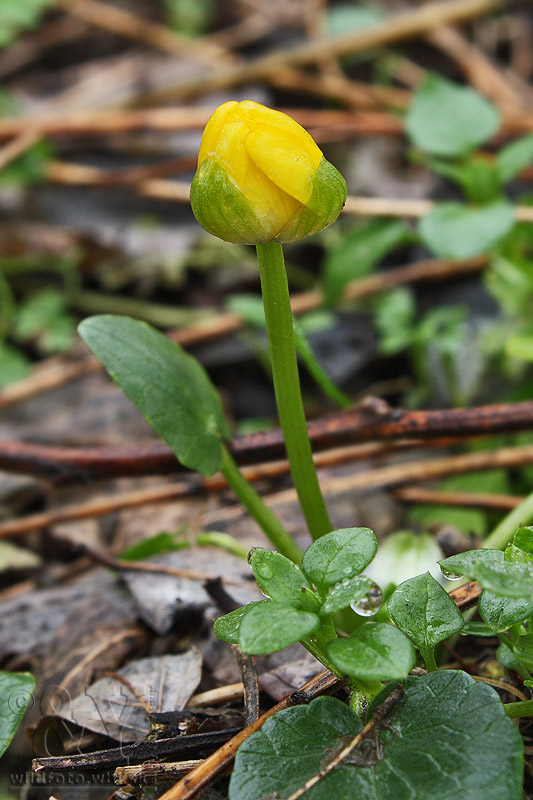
<point>16,690</point>
<point>322,598</point>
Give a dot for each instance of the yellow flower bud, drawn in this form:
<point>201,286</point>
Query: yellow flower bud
<point>261,178</point>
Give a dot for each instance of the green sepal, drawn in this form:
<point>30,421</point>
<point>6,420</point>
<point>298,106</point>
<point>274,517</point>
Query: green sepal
<point>323,207</point>
<point>222,209</point>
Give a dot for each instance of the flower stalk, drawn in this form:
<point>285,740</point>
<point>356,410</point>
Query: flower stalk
<point>278,316</point>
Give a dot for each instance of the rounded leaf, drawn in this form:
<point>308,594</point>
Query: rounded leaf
<point>339,555</point>
<point>227,627</point>
<point>278,577</point>
<point>269,627</point>
<point>375,652</point>
<point>446,119</point>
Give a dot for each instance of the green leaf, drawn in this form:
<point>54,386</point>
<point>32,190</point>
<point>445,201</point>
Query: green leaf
<point>16,690</point>
<point>425,612</point>
<point>269,627</point>
<point>488,567</point>
<point>477,629</point>
<point>500,613</point>
<point>513,553</point>
<point>278,577</point>
<point>515,157</point>
<point>343,594</point>
<point>465,563</point>
<point>523,650</point>
<point>164,542</point>
<point>227,627</point>
<point>189,17</point>
<point>375,652</point>
<point>15,17</point>
<point>14,365</point>
<point>339,555</point>
<point>445,119</point>
<point>505,656</point>
<point>478,176</point>
<point>520,346</point>
<point>394,318</point>
<point>28,168</point>
<point>523,539</point>
<point>509,579</point>
<point>359,252</point>
<point>447,738</point>
<point>344,17</point>
<point>44,318</point>
<point>454,230</point>
<point>169,387</point>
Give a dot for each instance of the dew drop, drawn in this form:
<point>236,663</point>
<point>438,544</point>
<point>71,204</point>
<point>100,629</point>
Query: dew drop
<point>348,570</point>
<point>265,571</point>
<point>451,576</point>
<point>370,604</point>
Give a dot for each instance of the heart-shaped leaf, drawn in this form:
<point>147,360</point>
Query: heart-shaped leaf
<point>170,388</point>
<point>448,737</point>
<point>425,612</point>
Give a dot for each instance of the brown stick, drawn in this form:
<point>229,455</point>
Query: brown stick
<point>370,420</point>
<point>125,23</point>
<point>419,471</point>
<point>178,192</point>
<point>174,491</point>
<point>382,477</point>
<point>397,27</point>
<point>419,494</point>
<point>140,774</point>
<point>467,594</point>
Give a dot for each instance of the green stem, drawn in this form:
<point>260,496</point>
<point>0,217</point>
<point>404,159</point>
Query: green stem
<point>504,532</point>
<point>312,646</point>
<point>362,693</point>
<point>280,538</point>
<point>279,325</point>
<point>428,654</point>
<point>518,710</point>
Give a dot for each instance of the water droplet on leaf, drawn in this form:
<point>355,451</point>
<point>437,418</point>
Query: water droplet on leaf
<point>370,604</point>
<point>451,576</point>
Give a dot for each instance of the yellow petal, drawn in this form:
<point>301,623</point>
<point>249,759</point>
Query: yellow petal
<point>259,115</point>
<point>223,114</point>
<point>285,159</point>
<point>272,204</point>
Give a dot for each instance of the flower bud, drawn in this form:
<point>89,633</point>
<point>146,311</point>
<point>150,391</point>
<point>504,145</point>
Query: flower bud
<point>261,178</point>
